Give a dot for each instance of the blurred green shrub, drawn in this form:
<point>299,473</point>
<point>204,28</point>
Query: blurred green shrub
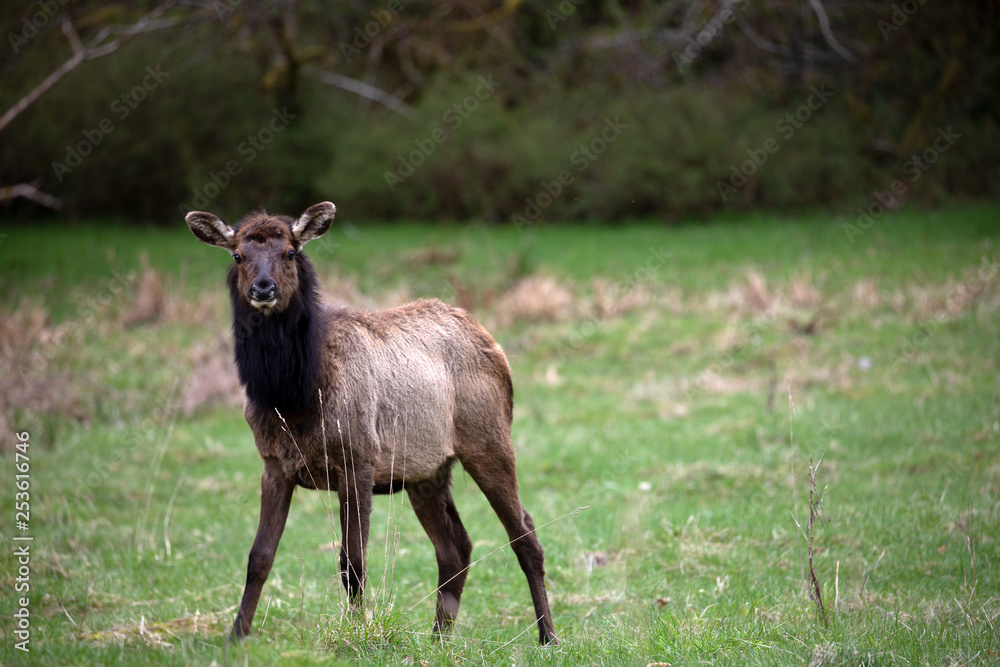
<point>672,153</point>
<point>538,136</point>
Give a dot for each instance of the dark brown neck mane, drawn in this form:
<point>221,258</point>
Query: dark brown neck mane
<point>278,354</point>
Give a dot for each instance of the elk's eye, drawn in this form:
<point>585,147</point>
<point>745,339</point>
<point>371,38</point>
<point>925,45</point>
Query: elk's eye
<point>237,258</point>
<point>291,255</point>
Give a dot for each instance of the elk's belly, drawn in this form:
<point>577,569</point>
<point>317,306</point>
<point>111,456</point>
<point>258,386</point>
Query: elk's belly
<point>414,453</point>
<point>414,422</point>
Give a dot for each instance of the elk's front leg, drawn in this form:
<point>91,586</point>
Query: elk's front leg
<point>275,497</point>
<point>355,495</point>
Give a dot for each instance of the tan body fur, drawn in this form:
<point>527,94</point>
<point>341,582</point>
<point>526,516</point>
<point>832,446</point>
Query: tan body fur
<point>391,379</point>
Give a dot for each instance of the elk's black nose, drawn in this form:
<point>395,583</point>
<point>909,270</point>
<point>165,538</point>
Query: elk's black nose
<point>263,289</point>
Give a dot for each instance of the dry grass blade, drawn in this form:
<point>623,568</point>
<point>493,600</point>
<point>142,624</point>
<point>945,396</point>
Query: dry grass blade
<point>815,509</point>
<point>287,429</point>
<point>140,530</point>
<point>815,512</point>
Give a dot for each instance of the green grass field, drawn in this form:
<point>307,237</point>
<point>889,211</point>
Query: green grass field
<point>655,370</point>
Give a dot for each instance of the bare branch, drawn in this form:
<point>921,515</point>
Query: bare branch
<point>754,36</point>
<point>482,21</point>
<point>824,26</point>
<point>29,191</point>
<point>361,88</point>
<point>371,69</point>
<point>41,88</point>
<point>625,37</point>
<point>127,32</point>
<point>74,39</point>
<point>406,61</point>
<point>95,49</point>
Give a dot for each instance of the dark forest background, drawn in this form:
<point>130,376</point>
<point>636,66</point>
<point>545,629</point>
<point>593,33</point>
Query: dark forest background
<point>594,109</point>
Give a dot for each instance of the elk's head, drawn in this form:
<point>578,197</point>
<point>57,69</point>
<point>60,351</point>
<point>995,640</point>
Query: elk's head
<point>264,250</point>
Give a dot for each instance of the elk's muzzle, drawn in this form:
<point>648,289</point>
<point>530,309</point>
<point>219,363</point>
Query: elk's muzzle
<point>263,293</point>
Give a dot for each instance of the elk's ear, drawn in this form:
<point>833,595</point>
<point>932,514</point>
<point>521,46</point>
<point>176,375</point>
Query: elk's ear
<point>313,223</point>
<point>211,230</point>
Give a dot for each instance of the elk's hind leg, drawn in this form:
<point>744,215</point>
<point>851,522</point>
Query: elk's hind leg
<point>435,508</point>
<point>493,470</point>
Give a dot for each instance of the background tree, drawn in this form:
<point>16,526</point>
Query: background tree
<point>701,86</point>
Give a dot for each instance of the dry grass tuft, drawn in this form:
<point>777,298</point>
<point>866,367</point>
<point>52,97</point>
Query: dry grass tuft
<point>210,309</point>
<point>29,382</point>
<point>396,297</point>
<point>866,294</point>
<point>750,295</point>
<point>148,305</point>
<point>536,298</point>
<point>550,377</point>
<point>712,382</point>
<point>746,296</point>
<point>20,329</point>
<point>733,336</point>
<point>18,332</point>
<point>468,296</point>
<point>754,291</point>
<point>802,293</point>
<point>213,380</point>
<point>923,301</point>
<point>842,375</point>
<point>342,290</point>
<point>611,299</point>
<point>975,291</point>
<point>419,258</point>
<point>832,654</point>
<point>162,634</point>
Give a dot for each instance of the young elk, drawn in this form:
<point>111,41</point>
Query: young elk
<point>373,402</point>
